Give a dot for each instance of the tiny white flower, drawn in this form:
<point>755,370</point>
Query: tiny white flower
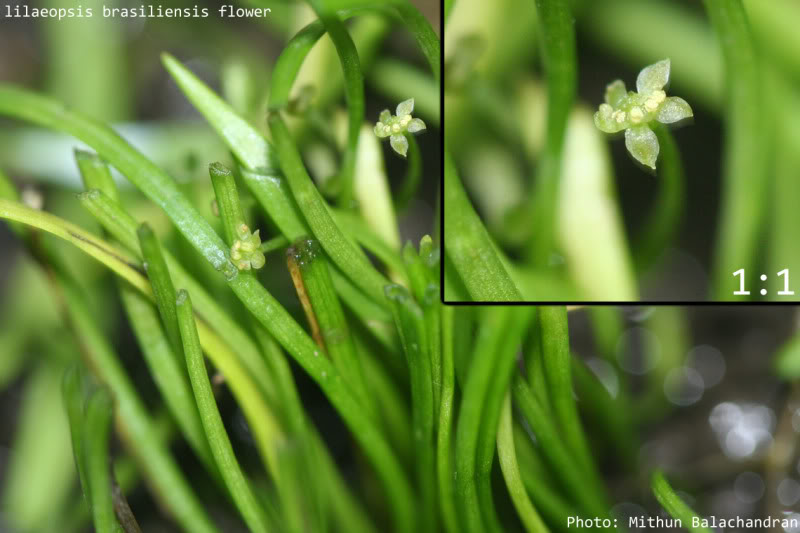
<point>632,111</point>
<point>396,127</point>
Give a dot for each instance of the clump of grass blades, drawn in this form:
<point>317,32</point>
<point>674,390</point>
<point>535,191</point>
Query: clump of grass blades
<point>256,369</point>
<point>455,423</point>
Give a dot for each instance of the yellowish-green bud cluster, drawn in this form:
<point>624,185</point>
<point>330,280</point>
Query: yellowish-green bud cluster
<point>246,250</point>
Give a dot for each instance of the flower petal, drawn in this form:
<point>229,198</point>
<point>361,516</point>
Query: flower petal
<point>399,143</point>
<point>405,107</point>
<point>674,109</point>
<point>415,125</point>
<point>642,144</point>
<point>605,120</point>
<point>615,93</point>
<point>385,116</point>
<point>653,77</point>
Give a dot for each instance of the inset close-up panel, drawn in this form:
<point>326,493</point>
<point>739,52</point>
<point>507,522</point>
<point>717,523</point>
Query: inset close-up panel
<point>622,151</point>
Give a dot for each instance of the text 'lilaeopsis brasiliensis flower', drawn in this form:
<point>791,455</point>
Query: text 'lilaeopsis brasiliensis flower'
<point>633,111</point>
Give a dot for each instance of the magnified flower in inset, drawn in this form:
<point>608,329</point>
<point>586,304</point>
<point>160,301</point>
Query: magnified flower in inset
<point>395,127</point>
<point>633,111</point>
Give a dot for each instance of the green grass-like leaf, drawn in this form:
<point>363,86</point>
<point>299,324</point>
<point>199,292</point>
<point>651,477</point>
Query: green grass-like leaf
<point>673,503</point>
<point>116,260</point>
<point>258,156</point>
<point>507,456</point>
<point>469,246</point>
<point>143,173</point>
<point>96,460</point>
<point>745,165</point>
<point>256,410</point>
<point>161,282</point>
<point>256,296</point>
<point>538,482</point>
<point>260,172</point>
<point>489,349</point>
<point>123,227</point>
<point>502,372</point>
<point>273,194</point>
<point>444,453</point>
<point>230,209</point>
<point>299,345</point>
<point>40,464</point>
<point>152,455</point>
<point>312,264</point>
<point>351,260</point>
<point>212,421</point>
<point>354,226</point>
<point>354,93</point>
<point>571,477</point>
<point>558,49</point>
<point>409,320</point>
<point>558,373</point>
<point>168,372</point>
<point>72,389</point>
<point>416,23</point>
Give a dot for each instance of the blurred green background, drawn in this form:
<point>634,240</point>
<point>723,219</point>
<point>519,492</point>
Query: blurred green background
<point>713,398</point>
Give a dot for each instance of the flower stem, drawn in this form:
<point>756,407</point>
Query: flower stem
<point>664,221</point>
